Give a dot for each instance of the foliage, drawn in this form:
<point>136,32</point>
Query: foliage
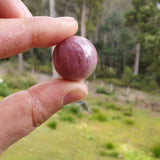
<point>16,81</point>
<point>109,146</point>
<point>45,69</point>
<point>113,106</point>
<point>127,76</point>
<point>156,149</point>
<point>129,122</point>
<point>101,90</point>
<point>52,124</point>
<point>67,117</point>
<point>98,117</point>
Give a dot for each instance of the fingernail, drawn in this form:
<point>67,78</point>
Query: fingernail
<point>25,10</point>
<point>68,19</point>
<point>75,95</point>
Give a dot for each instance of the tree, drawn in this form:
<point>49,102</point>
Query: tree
<point>144,20</point>
<point>53,14</point>
<point>116,43</point>
<point>20,62</point>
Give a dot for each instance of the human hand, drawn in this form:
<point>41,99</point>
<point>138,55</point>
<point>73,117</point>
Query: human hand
<point>23,111</point>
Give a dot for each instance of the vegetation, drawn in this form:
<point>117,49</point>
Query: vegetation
<point>125,33</point>
<point>122,124</point>
<point>52,124</point>
<point>107,134</point>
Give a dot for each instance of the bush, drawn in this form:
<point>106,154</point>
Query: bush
<point>95,110</point>
<point>74,109</point>
<point>115,81</point>
<point>127,76</point>
<point>101,90</point>
<point>109,145</point>
<point>3,90</point>
<point>113,154</point>
<point>45,69</point>
<point>67,117</point>
<point>148,83</point>
<point>99,103</point>
<point>106,72</point>
<point>17,81</point>
<point>129,122</point>
<point>99,117</point>
<point>127,113</point>
<point>113,106</point>
<point>156,150</point>
<point>52,125</point>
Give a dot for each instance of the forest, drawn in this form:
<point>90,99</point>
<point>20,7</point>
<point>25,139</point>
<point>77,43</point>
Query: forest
<point>125,33</point>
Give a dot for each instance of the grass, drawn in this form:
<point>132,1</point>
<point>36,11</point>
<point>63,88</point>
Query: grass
<point>52,125</point>
<point>101,90</point>
<point>109,145</point>
<point>129,122</point>
<point>113,106</point>
<point>156,149</point>
<point>115,133</point>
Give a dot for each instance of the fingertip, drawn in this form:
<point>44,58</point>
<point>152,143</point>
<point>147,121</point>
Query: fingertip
<point>48,31</point>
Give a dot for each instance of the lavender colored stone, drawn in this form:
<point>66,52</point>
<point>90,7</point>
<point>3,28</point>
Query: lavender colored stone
<point>75,58</point>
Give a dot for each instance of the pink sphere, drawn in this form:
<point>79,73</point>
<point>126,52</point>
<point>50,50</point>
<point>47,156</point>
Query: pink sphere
<point>75,58</point>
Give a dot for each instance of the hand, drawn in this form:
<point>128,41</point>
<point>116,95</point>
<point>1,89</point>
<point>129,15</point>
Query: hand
<point>23,111</point>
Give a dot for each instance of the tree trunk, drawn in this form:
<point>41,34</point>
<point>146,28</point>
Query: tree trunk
<point>136,67</point>
<point>83,19</point>
<point>53,14</point>
<point>20,62</point>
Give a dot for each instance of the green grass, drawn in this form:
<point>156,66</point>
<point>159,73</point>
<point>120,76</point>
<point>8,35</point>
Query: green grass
<point>156,149</point>
<point>52,125</point>
<point>109,145</point>
<point>129,122</point>
<point>108,134</point>
<point>101,90</point>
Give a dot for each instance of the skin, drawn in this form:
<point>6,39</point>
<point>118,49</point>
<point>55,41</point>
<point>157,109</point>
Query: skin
<point>23,111</point>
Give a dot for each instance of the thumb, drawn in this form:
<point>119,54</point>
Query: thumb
<point>21,112</point>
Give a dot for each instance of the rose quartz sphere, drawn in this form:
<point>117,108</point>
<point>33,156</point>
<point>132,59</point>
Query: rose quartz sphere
<point>75,58</point>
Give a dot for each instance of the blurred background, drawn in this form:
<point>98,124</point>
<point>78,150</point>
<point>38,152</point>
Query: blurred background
<point>120,118</point>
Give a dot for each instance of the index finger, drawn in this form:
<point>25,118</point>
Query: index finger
<point>20,35</point>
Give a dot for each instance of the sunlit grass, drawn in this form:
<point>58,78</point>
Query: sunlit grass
<point>108,134</point>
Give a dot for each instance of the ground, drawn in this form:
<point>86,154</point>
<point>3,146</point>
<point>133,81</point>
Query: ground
<point>122,125</point>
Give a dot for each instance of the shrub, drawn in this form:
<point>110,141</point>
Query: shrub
<point>113,154</point>
<point>107,72</point>
<point>109,145</point>
<point>129,121</point>
<point>99,117</point>
<point>127,76</point>
<point>103,153</point>
<point>116,117</point>
<point>95,110</point>
<point>67,117</point>
<point>115,81</point>
<point>3,90</point>
<point>99,103</point>
<point>45,69</point>
<point>127,113</point>
<point>17,81</point>
<point>101,90</point>
<point>74,109</point>
<point>52,125</point>
<point>113,106</point>
<point>156,150</point>
<point>147,83</point>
